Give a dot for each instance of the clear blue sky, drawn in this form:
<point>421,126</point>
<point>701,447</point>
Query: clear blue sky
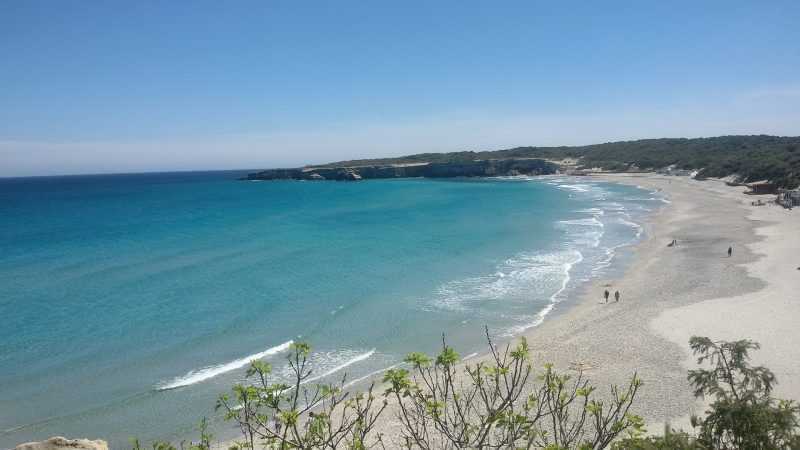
<point>163,85</point>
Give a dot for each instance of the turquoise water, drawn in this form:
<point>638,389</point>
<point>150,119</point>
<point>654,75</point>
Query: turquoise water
<point>129,302</point>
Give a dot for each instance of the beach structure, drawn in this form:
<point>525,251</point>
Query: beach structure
<point>788,198</point>
<point>674,171</point>
<point>762,187</point>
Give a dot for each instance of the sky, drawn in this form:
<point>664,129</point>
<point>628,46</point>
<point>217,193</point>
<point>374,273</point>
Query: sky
<point>121,86</point>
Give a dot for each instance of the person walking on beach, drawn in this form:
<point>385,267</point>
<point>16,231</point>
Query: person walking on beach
<point>605,294</point>
<point>616,296</point>
<point>730,251</point>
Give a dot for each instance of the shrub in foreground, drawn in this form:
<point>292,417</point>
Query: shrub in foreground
<point>437,403</point>
<point>440,403</point>
<point>503,404</point>
<point>742,415</point>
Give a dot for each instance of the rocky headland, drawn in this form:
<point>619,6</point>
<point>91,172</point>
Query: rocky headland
<point>476,168</point>
<point>743,159</point>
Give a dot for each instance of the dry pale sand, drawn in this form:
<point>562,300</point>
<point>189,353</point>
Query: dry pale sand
<point>771,315</point>
<point>672,293</point>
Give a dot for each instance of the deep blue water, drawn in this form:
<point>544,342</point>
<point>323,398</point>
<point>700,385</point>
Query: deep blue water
<point>129,302</point>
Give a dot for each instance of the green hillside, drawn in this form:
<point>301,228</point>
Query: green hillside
<point>752,158</point>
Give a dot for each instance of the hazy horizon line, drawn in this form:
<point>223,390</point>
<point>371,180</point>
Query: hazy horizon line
<point>257,168</point>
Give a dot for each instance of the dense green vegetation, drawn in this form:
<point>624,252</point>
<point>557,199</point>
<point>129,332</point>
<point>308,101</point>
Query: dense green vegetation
<point>438,403</point>
<point>752,158</point>
<point>742,415</point>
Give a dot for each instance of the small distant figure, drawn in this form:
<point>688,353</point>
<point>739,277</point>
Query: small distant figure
<point>673,243</point>
<point>730,251</point>
<point>606,294</point>
<point>616,296</point>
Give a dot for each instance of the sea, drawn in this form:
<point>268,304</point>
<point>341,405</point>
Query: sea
<point>129,303</point>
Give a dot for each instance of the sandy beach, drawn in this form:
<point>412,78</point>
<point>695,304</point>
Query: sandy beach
<point>672,293</point>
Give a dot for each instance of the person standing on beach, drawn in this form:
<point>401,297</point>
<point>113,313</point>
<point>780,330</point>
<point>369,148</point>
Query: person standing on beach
<point>616,296</point>
<point>730,251</point>
<point>605,294</point>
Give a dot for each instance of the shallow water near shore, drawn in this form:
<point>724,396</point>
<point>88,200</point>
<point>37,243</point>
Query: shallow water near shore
<point>132,301</point>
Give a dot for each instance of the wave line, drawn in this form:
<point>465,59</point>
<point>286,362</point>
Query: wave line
<point>206,373</point>
<point>341,366</point>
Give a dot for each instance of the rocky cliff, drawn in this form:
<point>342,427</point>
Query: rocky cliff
<point>478,168</point>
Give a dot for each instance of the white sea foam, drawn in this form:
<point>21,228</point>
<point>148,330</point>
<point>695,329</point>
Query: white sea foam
<point>514,278</point>
<point>591,222</point>
<point>512,283</point>
<point>613,207</point>
<point>580,235</point>
<point>575,187</point>
<point>593,211</point>
<point>647,199</point>
<point>358,358</point>
<point>611,252</point>
<point>206,373</point>
<point>554,298</point>
<point>470,356</point>
<point>633,225</point>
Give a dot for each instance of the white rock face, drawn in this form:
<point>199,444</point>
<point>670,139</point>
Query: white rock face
<point>61,443</point>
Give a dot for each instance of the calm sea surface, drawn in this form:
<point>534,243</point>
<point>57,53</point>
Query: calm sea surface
<point>130,302</point>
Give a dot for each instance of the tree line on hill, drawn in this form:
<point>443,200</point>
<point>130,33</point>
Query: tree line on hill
<point>750,158</point>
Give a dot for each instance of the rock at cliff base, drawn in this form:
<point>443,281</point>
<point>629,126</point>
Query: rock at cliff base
<point>61,443</point>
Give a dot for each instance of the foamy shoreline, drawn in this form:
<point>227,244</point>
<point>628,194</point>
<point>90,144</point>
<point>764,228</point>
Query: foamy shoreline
<point>672,293</point>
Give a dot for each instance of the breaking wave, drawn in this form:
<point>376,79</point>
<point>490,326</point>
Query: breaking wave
<point>591,222</point>
<point>332,362</point>
<point>633,225</point>
<point>206,373</point>
<point>514,278</point>
<point>554,298</point>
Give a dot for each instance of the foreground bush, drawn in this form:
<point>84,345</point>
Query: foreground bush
<point>670,440</point>
<point>278,415</point>
<point>501,404</point>
<point>742,415</point>
<point>438,403</point>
